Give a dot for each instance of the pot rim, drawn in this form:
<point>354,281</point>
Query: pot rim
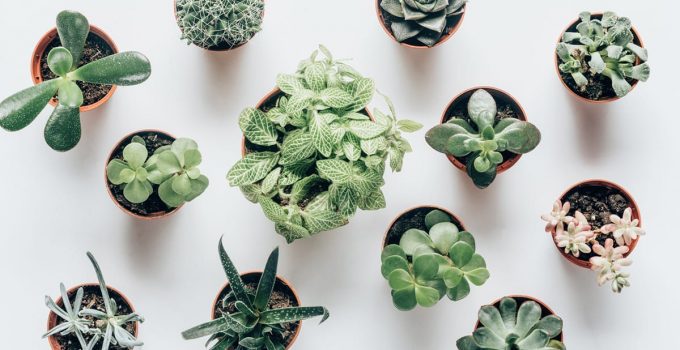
<point>453,216</point>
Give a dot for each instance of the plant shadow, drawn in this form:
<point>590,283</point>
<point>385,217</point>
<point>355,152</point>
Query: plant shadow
<point>221,70</point>
<point>147,241</point>
<point>591,124</point>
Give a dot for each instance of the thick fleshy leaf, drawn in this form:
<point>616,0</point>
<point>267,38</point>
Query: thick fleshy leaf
<point>235,281</point>
<point>405,30</point>
<point>73,29</point>
<point>62,131</point>
<point>414,238</point>
<point>444,235</point>
<point>426,296</point>
<point>467,343</point>
<point>482,108</point>
<point>198,186</point>
<point>181,185</point>
<point>20,109</point>
<point>481,180</point>
<point>551,324</point>
<point>70,94</point>
<point>60,61</point>
<point>439,136</point>
<point>536,340</point>
<point>452,276</point>
<point>113,170</point>
<point>392,263</point>
<point>136,192</point>
<point>404,299</point>
<point>135,155</point>
<point>528,315</point>
<point>461,253</point>
<point>478,276</point>
<point>508,310</point>
<point>192,158</point>
<point>460,291</point>
<point>465,236</point>
<point>487,339</point>
<point>436,216</point>
<point>520,137</point>
<point>400,279</point>
<point>292,314</point>
<point>125,68</point>
<point>171,198</point>
<point>392,250</point>
<point>267,281</point>
<point>425,267</point>
<point>206,329</point>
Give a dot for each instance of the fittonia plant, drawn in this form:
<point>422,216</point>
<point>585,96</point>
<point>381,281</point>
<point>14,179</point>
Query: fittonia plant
<point>422,20</point>
<point>425,267</point>
<point>63,131</point>
<point>483,143</point>
<point>316,156</point>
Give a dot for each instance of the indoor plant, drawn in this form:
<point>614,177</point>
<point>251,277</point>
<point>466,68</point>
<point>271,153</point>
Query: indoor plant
<point>600,57</point>
<point>254,311</point>
<point>150,174</point>
<point>596,225</point>
<point>72,76</point>
<point>434,257</point>
<point>92,315</point>
<point>312,155</point>
<point>483,132</point>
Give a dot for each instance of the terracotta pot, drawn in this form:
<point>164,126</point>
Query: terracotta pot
<point>602,183</point>
<point>572,27</point>
<point>442,40</point>
<point>52,317</point>
<point>39,49</point>
<point>254,277</point>
<point>497,94</point>
<point>122,143</point>
<point>454,219</point>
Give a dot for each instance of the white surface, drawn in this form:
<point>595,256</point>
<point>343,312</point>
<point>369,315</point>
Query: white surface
<point>54,206</point>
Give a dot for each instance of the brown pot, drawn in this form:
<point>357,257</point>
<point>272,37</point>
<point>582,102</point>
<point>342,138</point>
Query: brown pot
<point>637,40</point>
<point>602,183</point>
<point>39,49</point>
<point>254,277</point>
<point>52,317</point>
<point>454,218</point>
<point>497,94</point>
<point>442,40</point>
<point>125,140</point>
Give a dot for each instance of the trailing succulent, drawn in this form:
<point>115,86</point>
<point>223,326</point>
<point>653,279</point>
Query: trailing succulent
<point>174,168</point>
<point>316,156</point>
<point>62,131</point>
<point>483,143</point>
<point>253,324</point>
<point>507,328</point>
<point>426,266</point>
<point>422,20</point>
<point>219,23</point>
<point>603,46</point>
<point>107,327</point>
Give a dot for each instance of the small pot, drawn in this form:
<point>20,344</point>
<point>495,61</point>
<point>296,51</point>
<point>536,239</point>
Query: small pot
<point>412,211</point>
<point>571,27</point>
<point>602,183</point>
<point>121,144</point>
<point>39,50</point>
<point>498,95</point>
<point>52,317</point>
<point>254,277</point>
<point>443,39</point>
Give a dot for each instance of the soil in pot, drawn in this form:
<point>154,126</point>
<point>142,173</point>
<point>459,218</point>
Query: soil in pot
<point>96,48</point>
<point>414,218</point>
<point>451,23</point>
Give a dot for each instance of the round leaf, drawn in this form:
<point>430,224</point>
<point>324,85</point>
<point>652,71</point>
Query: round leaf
<point>400,279</point>
<point>135,155</point>
<point>70,94</point>
<point>436,216</point>
<point>136,192</point>
<point>392,250</point>
<point>404,299</point>
<point>192,158</point>
<point>460,291</point>
<point>393,263</point>
<point>426,296</point>
<point>60,61</point>
<point>181,184</point>
<point>414,238</point>
<point>478,276</point>
<point>461,253</point>
<point>114,169</point>
<point>168,163</point>
<point>444,235</point>
<point>482,109</point>
<point>171,198</point>
<point>452,277</point>
<point>425,267</point>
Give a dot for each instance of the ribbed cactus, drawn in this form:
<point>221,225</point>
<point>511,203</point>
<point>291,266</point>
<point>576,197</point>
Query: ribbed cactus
<point>219,23</point>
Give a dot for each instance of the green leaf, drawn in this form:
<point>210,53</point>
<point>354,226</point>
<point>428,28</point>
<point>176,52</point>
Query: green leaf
<point>73,29</point>
<point>467,343</point>
<point>315,76</point>
<point>289,84</point>
<point>478,276</point>
<point>392,263</point>
<point>452,276</point>
<point>125,68</point>
<point>270,181</point>
<point>551,324</point>
<point>436,216</point>
<point>260,130</point>
<point>114,169</point>
<point>252,343</point>
<point>168,163</point>
<point>362,90</point>
<point>206,329</point>
<point>482,109</point>
<point>481,180</point>
<point>323,221</point>
<point>425,267</point>
<point>60,61</point>
<point>372,146</point>
<point>351,146</point>
<point>252,168</point>
<point>272,210</point>
<point>536,339</point>
<point>366,129</point>
<point>426,296</point>
<point>335,97</point>
<point>301,188</point>
<point>291,231</point>
<point>266,284</point>
<point>528,315</point>
<point>192,158</point>
<point>293,314</point>
<point>409,125</point>
<point>181,185</point>
<point>136,192</point>
<point>400,279</point>
<point>367,181</point>
<point>235,281</point>
<point>413,239</point>
<point>461,253</point>
<point>299,101</point>
<point>171,198</point>
<point>198,185</point>
<point>460,291</point>
<point>475,262</point>
<point>70,95</point>
<point>135,155</point>
<point>392,250</point>
<point>444,235</point>
<point>344,198</point>
<point>335,170</point>
<point>20,109</point>
<point>322,137</point>
<point>296,147</point>
<point>521,137</point>
<point>374,201</point>
<point>404,299</point>
<point>62,131</point>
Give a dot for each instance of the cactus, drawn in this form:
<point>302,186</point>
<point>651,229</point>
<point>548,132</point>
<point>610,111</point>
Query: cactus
<point>422,20</point>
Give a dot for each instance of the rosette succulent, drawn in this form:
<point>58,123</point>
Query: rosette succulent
<point>424,21</point>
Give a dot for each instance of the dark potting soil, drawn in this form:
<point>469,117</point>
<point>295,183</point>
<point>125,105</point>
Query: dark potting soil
<point>413,219</point>
<point>451,23</point>
<point>92,299</point>
<point>154,204</point>
<point>96,48</point>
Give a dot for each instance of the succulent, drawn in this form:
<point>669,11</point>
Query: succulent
<point>219,23</point>
<point>574,239</point>
<point>508,328</point>
<point>483,144</point>
<point>315,156</point>
<point>254,325</point>
<point>62,131</point>
<point>603,46</point>
<point>609,263</point>
<point>425,267</point>
<point>422,20</point>
<point>73,321</point>
<point>625,230</point>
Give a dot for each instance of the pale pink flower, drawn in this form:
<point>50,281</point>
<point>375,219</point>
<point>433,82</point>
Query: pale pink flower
<point>574,239</point>
<point>609,263</point>
<point>557,217</point>
<point>625,230</point>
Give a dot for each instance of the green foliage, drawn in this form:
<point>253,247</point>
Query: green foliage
<point>423,20</point>
<point>63,131</point>
<point>507,328</point>
<point>603,46</point>
<point>219,23</point>
<point>425,267</point>
<point>318,156</point>
<point>484,142</point>
<point>253,325</point>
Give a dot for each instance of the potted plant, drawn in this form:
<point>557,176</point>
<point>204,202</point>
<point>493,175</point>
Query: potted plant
<point>92,315</point>
<point>504,326</point>
<point>596,224</point>
<point>484,132</point>
<point>76,74</point>
<point>600,57</point>
<point>312,155</point>
<point>150,174</point>
<point>219,25</point>
<point>421,23</point>
<point>427,254</point>
<point>257,310</point>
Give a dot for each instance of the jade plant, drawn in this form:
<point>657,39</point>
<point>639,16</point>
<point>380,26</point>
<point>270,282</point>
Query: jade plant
<point>426,266</point>
<point>63,130</point>
<point>252,324</point>
<point>219,23</point>
<point>173,168</point>
<point>422,20</point>
<point>508,328</point>
<point>603,47</point>
<point>483,143</point>
<point>316,156</point>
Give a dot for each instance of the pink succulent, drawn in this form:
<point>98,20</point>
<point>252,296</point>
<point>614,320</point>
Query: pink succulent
<point>557,217</point>
<point>609,263</point>
<point>574,240</point>
<point>625,230</point>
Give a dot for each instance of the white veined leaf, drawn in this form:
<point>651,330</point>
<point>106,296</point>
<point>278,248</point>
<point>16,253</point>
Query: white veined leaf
<point>336,98</point>
<point>367,181</point>
<point>296,147</point>
<point>246,116</point>
<point>260,130</point>
<point>289,84</point>
<point>409,125</point>
<point>351,147</point>
<point>272,210</point>
<point>362,91</point>
<point>322,137</point>
<point>301,188</point>
<point>374,201</point>
<point>252,168</point>
<point>271,180</point>
<point>335,170</point>
<point>291,231</point>
<point>315,76</point>
<point>344,198</point>
<point>366,129</point>
<point>320,203</point>
<point>299,101</point>
<point>323,221</point>
<point>372,146</point>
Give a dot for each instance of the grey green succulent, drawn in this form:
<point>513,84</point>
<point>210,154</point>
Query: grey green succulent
<point>219,23</point>
<point>422,20</point>
<point>425,267</point>
<point>603,46</point>
<point>483,144</point>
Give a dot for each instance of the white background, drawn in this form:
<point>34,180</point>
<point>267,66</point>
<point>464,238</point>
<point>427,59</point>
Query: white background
<point>54,206</point>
